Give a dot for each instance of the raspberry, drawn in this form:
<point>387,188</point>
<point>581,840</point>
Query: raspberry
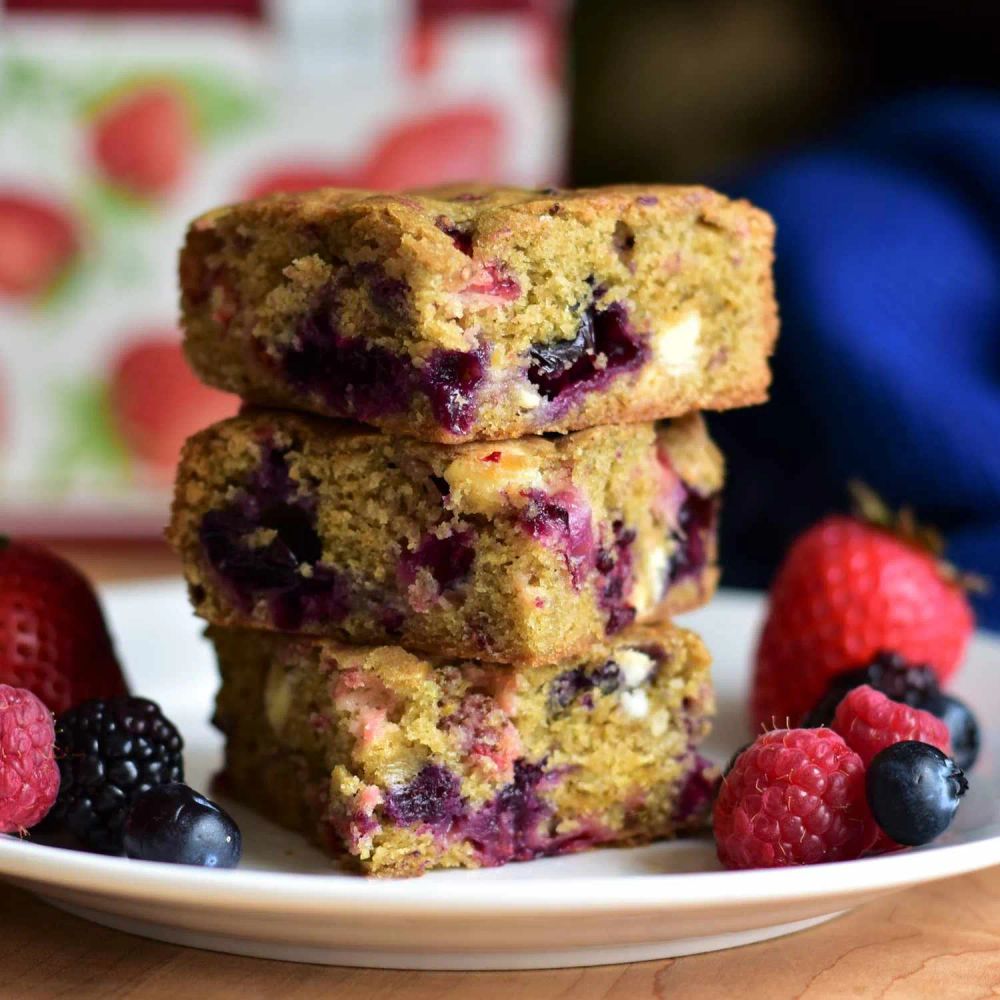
<point>869,722</point>
<point>110,751</point>
<point>29,775</point>
<point>794,797</point>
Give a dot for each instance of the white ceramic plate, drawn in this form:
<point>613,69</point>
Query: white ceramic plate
<point>288,901</point>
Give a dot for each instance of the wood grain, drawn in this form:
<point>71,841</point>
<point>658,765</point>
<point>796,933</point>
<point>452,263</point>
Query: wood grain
<point>937,941</point>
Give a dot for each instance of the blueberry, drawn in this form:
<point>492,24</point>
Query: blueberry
<point>434,795</point>
<point>448,560</point>
<point>914,791</point>
<point>614,563</point>
<point>355,377</point>
<point>962,726</point>
<point>460,234</point>
<point>175,824</point>
<point>450,380</point>
<point>571,684</point>
<point>696,521</point>
<point>558,367</point>
<point>551,361</point>
<point>274,571</point>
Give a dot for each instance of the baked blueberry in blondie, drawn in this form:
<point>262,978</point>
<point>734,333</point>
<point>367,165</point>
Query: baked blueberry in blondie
<point>481,313</point>
<point>399,764</point>
<point>516,551</point>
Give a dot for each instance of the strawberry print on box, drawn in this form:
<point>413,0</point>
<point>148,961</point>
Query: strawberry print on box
<point>120,121</point>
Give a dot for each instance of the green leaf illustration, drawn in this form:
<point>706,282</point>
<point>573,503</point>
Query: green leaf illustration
<point>220,106</point>
<point>89,441</point>
<point>106,201</point>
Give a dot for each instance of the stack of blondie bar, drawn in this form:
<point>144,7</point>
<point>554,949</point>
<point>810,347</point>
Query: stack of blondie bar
<point>440,548</point>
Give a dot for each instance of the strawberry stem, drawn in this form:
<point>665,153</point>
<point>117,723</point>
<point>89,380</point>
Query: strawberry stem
<point>868,506</point>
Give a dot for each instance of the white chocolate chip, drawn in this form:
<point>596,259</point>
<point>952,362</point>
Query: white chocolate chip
<point>651,579</point>
<point>528,397</point>
<point>635,666</point>
<point>277,697</point>
<point>483,487</point>
<point>676,347</point>
<point>635,704</point>
<point>659,722</point>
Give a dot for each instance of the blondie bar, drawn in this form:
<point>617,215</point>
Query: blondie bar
<point>399,764</point>
<point>481,313</point>
<point>515,551</point>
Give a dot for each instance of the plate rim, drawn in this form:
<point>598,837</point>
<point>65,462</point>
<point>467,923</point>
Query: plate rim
<point>260,890</point>
<point>454,896</point>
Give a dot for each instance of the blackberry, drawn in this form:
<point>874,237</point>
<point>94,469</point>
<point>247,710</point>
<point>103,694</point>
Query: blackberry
<point>915,685</point>
<point>109,751</point>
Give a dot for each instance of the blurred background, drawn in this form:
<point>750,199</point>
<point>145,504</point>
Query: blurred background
<point>870,130</point>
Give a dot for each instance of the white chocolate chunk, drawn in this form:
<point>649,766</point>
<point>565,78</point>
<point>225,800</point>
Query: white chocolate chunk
<point>651,580</point>
<point>677,347</point>
<point>659,722</point>
<point>483,487</point>
<point>635,704</point>
<point>277,697</point>
<point>635,666</point>
<point>528,397</point>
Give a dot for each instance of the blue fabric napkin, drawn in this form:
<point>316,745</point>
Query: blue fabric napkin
<point>888,365</point>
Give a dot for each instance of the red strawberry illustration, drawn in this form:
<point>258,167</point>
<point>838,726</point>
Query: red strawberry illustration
<point>423,48</point>
<point>458,145</point>
<point>157,403</point>
<point>38,239</point>
<point>549,38</point>
<point>298,177</point>
<point>142,140</point>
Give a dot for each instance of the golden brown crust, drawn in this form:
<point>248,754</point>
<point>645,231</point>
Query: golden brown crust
<point>252,274</point>
<point>323,737</point>
<point>564,537</point>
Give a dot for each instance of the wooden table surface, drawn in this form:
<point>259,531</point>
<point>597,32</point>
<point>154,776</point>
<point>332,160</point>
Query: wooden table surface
<point>938,941</point>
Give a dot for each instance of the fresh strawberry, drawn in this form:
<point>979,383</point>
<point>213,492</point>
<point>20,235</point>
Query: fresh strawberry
<point>157,403</point>
<point>458,145</point>
<point>53,640</point>
<point>142,141</point>
<point>847,589</point>
<point>37,241</point>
